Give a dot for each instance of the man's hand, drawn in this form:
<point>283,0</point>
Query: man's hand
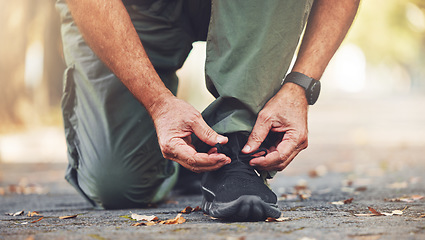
<point>107,28</point>
<point>175,121</point>
<point>285,113</point>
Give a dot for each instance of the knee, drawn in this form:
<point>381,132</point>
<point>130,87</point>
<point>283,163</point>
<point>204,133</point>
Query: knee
<point>121,180</point>
<point>118,190</point>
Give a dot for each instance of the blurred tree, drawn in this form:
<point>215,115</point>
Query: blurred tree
<point>29,46</point>
<point>392,32</point>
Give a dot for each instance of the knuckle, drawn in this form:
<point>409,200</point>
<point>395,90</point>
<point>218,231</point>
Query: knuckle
<point>193,118</point>
<point>208,133</point>
<point>282,158</point>
<point>191,162</point>
<point>168,151</point>
<point>303,142</point>
<point>256,138</point>
<point>264,116</point>
<point>305,145</point>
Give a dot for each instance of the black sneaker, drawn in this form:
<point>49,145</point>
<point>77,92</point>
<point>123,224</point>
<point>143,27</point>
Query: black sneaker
<point>236,191</point>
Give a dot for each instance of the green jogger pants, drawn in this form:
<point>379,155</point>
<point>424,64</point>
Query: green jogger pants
<point>114,157</point>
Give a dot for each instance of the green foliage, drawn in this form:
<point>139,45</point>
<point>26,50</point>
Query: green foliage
<point>386,31</point>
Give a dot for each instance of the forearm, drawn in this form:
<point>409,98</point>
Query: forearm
<point>327,26</point>
<point>108,30</point>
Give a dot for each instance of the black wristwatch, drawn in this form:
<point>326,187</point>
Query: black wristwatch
<point>310,85</point>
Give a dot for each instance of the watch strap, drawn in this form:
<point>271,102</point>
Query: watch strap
<point>310,85</point>
<point>299,79</point>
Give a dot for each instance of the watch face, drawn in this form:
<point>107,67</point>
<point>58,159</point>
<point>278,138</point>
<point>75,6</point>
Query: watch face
<point>313,92</point>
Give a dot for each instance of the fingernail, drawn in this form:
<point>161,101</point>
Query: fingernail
<point>246,148</point>
<point>221,139</point>
<point>226,161</point>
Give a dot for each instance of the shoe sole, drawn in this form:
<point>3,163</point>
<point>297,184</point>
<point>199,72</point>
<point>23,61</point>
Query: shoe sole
<point>245,208</point>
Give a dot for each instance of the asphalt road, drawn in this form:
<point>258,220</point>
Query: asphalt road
<point>372,152</point>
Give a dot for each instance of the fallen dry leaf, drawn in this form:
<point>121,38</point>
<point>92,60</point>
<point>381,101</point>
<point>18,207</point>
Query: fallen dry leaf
<point>280,219</point>
<point>347,201</point>
<point>376,213</point>
<point>422,216</point>
<point>319,171</point>
<point>68,217</point>
<point>302,191</point>
<point>37,220</point>
<point>397,212</point>
<point>24,187</point>
<point>407,199</point>
<point>177,220</point>
<point>33,213</point>
<point>300,188</point>
<point>313,174</point>
<point>304,196</point>
<point>19,213</point>
<point>187,210</point>
<point>288,197</point>
<point>147,218</point>
<point>144,224</point>
<point>360,189</point>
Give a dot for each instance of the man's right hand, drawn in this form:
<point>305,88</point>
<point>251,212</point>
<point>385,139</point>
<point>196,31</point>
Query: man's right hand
<point>175,121</point>
<point>123,53</point>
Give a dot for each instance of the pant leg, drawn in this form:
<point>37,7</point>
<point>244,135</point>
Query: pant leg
<point>250,46</point>
<point>113,152</point>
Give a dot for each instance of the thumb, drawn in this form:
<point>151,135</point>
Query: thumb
<point>207,134</point>
<point>257,136</point>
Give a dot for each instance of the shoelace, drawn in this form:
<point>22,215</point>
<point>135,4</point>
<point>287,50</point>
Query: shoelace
<point>242,160</point>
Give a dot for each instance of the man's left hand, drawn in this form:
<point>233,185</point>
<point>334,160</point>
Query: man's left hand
<point>285,113</point>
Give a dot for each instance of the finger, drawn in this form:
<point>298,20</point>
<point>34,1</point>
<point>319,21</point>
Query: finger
<point>207,134</point>
<point>280,165</point>
<point>189,158</point>
<point>257,136</point>
<point>203,163</point>
<point>204,168</point>
<point>283,165</point>
<point>213,150</point>
<point>283,151</point>
<point>185,153</point>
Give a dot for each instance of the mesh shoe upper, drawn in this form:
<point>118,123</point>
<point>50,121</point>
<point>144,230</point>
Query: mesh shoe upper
<point>237,178</point>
